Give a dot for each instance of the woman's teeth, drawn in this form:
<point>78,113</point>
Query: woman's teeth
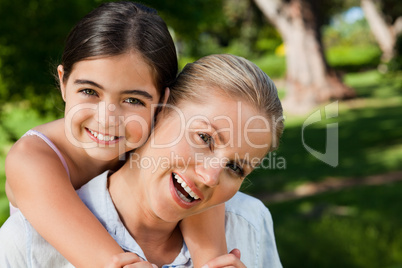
<point>183,197</point>
<point>102,137</point>
<point>186,188</point>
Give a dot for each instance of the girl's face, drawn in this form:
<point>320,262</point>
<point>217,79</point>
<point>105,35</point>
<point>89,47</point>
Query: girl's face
<point>199,155</point>
<point>110,102</point>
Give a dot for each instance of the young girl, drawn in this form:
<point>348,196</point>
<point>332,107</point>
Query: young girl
<point>117,66</point>
<point>223,115</point>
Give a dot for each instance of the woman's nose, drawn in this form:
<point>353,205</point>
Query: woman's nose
<point>209,172</point>
<point>108,115</point>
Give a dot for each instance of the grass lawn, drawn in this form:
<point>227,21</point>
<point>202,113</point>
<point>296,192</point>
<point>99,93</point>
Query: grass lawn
<point>354,227</point>
<point>357,227</point>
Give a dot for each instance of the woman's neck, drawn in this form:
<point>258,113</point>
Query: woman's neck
<point>161,241</point>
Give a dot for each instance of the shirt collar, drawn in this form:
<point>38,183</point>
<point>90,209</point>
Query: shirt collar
<point>97,198</point>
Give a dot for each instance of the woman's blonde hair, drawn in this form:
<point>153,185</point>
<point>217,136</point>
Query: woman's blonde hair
<point>236,77</point>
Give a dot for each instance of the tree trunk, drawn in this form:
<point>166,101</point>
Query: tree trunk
<point>310,81</point>
<point>384,33</point>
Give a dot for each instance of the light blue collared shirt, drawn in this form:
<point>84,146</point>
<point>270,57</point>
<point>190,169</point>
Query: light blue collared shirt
<point>249,228</point>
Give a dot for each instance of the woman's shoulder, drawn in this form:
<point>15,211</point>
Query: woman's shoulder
<point>249,228</point>
<point>248,212</point>
<point>247,206</point>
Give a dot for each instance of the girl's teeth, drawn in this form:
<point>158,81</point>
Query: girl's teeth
<point>102,137</point>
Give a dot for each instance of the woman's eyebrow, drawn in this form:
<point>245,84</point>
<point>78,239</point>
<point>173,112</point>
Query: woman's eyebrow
<point>220,136</point>
<point>214,128</point>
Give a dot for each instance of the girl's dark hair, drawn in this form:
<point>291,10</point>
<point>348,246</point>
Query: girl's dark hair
<point>118,27</point>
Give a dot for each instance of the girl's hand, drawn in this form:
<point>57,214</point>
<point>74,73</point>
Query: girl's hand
<point>128,260</point>
<point>231,260</point>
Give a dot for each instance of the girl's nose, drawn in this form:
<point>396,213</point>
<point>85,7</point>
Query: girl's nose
<point>108,115</point>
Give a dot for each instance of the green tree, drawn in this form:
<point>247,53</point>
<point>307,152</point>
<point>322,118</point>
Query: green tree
<point>385,20</point>
<point>310,80</point>
<point>32,35</point>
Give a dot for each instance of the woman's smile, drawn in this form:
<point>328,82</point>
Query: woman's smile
<point>184,193</point>
<point>201,168</point>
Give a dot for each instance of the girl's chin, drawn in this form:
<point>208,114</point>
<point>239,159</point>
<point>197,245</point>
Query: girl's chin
<point>104,156</point>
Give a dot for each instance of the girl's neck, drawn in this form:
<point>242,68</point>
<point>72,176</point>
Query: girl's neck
<point>155,237</point>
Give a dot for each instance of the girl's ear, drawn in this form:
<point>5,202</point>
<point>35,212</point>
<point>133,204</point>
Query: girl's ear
<point>166,95</point>
<point>60,72</point>
<point>162,102</point>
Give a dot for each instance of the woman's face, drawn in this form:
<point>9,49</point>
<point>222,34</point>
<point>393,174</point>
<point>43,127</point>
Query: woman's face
<point>109,104</point>
<point>199,155</point>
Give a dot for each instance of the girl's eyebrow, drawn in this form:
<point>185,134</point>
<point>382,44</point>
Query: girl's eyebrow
<point>143,93</point>
<point>83,82</point>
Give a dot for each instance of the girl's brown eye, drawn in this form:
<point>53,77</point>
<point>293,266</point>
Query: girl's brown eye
<point>89,91</point>
<point>134,101</point>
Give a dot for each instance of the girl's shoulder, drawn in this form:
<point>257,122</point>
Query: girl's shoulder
<point>35,150</point>
<point>36,140</point>
<point>51,129</point>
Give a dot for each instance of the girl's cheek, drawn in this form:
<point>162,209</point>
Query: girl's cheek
<point>136,133</point>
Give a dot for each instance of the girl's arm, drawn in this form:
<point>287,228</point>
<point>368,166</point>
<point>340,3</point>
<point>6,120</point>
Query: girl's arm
<point>204,235</point>
<point>44,194</point>
<point>229,260</point>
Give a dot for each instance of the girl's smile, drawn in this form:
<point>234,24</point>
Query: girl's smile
<point>103,138</point>
<point>110,103</point>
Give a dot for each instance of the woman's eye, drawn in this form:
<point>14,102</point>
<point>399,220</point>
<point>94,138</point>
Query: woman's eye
<point>134,101</point>
<point>207,139</point>
<point>236,169</point>
<point>89,91</point>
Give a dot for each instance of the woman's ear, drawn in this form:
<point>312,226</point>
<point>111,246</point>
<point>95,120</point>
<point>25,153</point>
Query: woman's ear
<point>60,72</point>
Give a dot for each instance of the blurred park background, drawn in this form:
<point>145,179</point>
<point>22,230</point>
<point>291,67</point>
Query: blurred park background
<point>335,199</point>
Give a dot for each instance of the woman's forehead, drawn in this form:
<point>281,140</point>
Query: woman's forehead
<point>233,121</point>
